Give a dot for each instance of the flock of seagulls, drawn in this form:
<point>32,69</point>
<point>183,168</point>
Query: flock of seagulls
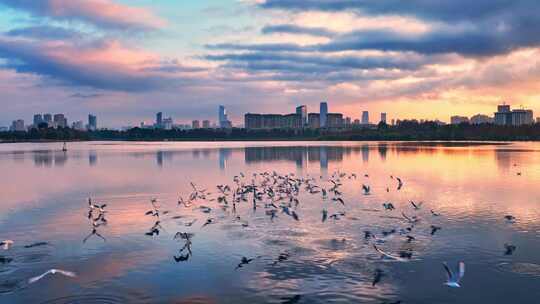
<point>278,195</point>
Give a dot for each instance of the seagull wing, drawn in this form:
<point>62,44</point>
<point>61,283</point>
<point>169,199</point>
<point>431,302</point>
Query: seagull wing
<point>449,273</point>
<point>66,273</point>
<point>39,277</point>
<point>461,267</point>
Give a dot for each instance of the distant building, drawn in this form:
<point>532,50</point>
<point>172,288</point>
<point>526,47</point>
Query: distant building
<point>195,124</point>
<point>223,118</point>
<point>456,120</point>
<point>356,122</point>
<point>314,120</point>
<point>302,111</point>
<point>393,122</point>
<point>323,111</point>
<point>48,119</point>
<point>334,120</point>
<point>92,123</point>
<point>18,125</point>
<point>538,120</point>
<point>383,118</point>
<point>365,118</point>
<point>4,129</point>
<point>38,118</point>
<point>522,117</point>
<point>206,124</point>
<point>167,123</point>
<point>348,122</point>
<point>159,120</point>
<point>505,117</point>
<point>481,119</point>
<point>272,121</point>
<point>60,121</point>
<point>78,125</point>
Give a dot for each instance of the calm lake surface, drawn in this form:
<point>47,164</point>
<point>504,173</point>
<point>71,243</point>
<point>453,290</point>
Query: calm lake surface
<point>44,193</point>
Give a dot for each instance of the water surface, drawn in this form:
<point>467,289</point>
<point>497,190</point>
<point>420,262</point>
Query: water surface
<point>472,186</point>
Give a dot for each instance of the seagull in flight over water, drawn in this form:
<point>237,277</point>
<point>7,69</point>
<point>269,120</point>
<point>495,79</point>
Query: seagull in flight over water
<point>453,279</point>
<point>52,271</point>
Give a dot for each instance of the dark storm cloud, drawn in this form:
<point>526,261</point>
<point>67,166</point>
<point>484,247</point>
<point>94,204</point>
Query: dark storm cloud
<point>469,28</point>
<point>295,29</point>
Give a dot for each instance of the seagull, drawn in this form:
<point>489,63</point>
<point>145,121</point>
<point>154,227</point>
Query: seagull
<point>52,271</point>
<point>434,229</point>
<point>36,244</point>
<point>324,215</point>
<point>6,244</point>
<point>412,219</point>
<point>416,206</point>
<point>509,249</point>
<point>366,189</point>
<point>388,206</point>
<point>435,213</point>
<point>389,256</point>
<point>400,183</point>
<point>377,277</point>
<point>243,262</point>
<point>453,279</point>
<point>510,218</point>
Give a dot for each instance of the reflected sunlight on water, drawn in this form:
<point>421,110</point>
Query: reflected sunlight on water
<point>472,186</point>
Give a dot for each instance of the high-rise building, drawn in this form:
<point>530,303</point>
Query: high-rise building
<point>167,123</point>
<point>195,124</point>
<point>92,123</point>
<point>38,118</point>
<point>302,111</point>
<point>159,120</point>
<point>323,111</point>
<point>18,125</point>
<point>522,117</point>
<point>365,118</point>
<point>223,119</point>
<point>538,120</point>
<point>47,118</point>
<point>383,118</point>
<point>506,117</point>
<point>206,124</point>
<point>60,120</point>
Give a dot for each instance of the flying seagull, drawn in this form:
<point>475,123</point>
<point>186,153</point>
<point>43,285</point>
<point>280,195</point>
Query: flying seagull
<point>52,271</point>
<point>453,279</point>
<point>6,244</point>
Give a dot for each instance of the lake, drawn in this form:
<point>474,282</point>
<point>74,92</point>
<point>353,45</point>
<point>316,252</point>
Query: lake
<point>465,189</point>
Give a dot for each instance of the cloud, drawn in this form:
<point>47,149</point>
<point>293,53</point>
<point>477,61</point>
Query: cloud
<point>101,64</point>
<point>296,29</point>
<point>45,32</point>
<point>100,13</point>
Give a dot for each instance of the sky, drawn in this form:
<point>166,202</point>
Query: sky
<point>125,60</point>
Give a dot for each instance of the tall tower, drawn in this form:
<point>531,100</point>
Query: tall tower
<point>365,118</point>
<point>323,114</point>
<point>383,118</point>
<point>222,117</point>
<point>159,120</point>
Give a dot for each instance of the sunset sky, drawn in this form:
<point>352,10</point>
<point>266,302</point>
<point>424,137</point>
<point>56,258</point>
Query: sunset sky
<point>124,60</point>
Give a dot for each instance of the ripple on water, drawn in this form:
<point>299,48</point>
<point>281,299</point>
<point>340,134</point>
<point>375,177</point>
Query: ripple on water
<point>88,299</point>
<point>527,269</point>
<point>11,285</point>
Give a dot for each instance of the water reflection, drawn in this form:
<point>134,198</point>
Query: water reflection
<point>472,187</point>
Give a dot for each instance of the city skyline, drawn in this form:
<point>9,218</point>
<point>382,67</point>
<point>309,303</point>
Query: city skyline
<point>409,60</point>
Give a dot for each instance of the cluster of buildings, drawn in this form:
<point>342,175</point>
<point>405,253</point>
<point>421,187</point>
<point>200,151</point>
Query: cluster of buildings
<point>301,119</point>
<point>168,123</point>
<point>504,116</point>
<point>53,121</point>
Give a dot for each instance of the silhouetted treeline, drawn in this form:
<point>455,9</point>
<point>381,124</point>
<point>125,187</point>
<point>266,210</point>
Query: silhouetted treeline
<point>405,130</point>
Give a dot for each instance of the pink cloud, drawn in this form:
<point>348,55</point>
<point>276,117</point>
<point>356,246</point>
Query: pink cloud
<point>102,13</point>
